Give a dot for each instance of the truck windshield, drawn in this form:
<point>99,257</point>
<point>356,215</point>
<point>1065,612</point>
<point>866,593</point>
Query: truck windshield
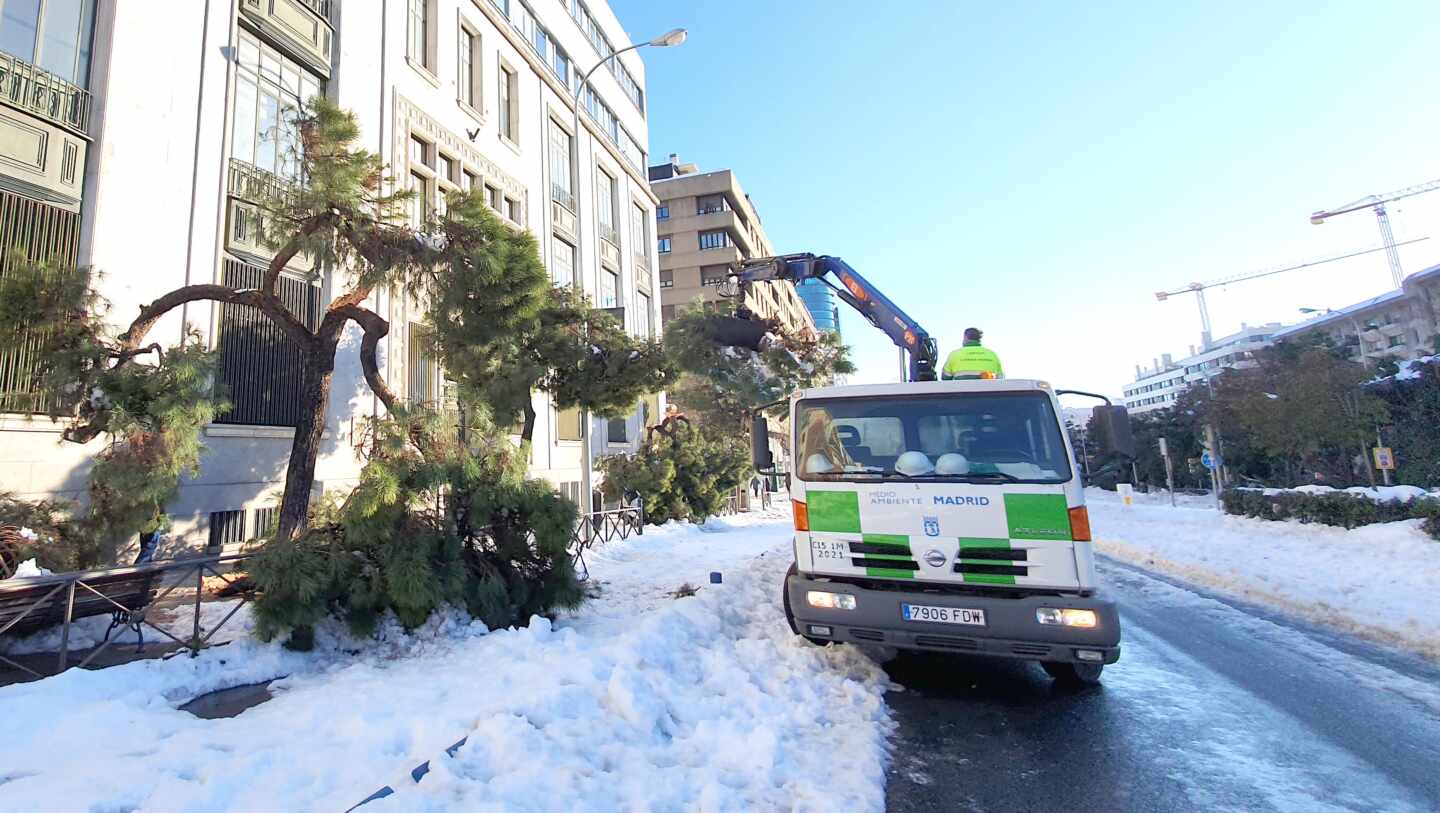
<point>965,437</point>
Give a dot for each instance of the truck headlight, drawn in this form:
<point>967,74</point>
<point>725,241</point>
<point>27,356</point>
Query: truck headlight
<point>830,601</point>
<point>1066,617</point>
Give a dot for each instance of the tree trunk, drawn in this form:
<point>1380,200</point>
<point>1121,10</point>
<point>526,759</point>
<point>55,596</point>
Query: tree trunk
<point>527,430</point>
<point>300,473</point>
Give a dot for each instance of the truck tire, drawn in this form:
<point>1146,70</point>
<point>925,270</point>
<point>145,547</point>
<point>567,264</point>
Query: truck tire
<point>1073,674</point>
<point>785,597</point>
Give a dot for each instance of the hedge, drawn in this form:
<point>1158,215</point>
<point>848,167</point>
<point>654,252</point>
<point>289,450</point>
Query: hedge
<point>1338,508</point>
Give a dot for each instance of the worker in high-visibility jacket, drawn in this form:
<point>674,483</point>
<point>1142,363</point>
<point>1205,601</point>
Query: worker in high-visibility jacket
<point>972,360</point>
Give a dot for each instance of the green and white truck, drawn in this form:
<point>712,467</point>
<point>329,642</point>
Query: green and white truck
<point>946,516</point>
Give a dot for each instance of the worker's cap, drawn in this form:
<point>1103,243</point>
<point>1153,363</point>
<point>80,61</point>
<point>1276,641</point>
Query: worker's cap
<point>973,334</point>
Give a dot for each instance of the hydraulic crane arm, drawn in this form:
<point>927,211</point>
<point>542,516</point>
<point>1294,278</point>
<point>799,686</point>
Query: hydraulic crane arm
<point>856,292</point>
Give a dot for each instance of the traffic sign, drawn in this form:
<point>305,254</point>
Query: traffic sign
<point>1211,461</point>
<point>1384,458</point>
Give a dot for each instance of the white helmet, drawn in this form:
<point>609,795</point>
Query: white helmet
<point>818,464</point>
<point>913,464</point>
<point>952,463</point>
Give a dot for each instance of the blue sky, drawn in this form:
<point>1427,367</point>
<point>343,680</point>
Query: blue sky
<point>1040,171</point>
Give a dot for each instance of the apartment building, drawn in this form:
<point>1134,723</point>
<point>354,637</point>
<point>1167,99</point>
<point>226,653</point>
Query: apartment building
<point>149,163</point>
<point>1401,324</point>
<point>706,224</point>
<point>1158,386</point>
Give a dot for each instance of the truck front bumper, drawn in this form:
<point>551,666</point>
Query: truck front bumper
<point>1010,629</point>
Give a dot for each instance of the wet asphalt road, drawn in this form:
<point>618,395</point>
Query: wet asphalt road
<point>1214,705</point>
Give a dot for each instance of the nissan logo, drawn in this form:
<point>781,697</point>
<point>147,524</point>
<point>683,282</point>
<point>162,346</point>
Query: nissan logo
<point>934,558</point>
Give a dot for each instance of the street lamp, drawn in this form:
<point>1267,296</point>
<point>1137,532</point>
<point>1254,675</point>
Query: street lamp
<point>673,37</point>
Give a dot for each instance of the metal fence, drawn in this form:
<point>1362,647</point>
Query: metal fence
<point>128,594</point>
<point>604,526</point>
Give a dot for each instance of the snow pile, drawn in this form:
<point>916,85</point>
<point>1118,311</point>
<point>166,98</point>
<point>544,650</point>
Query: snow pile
<point>638,701</point>
<point>1378,580</point>
<point>29,569</point>
<point>1376,494</point>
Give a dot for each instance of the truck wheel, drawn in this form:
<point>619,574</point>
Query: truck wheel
<point>1074,674</point>
<point>785,598</point>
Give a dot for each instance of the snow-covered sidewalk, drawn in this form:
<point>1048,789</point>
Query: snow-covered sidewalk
<point>639,701</point>
<point>1378,580</point>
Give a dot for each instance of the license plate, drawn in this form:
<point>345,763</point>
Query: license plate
<point>829,549</point>
<point>942,615</point>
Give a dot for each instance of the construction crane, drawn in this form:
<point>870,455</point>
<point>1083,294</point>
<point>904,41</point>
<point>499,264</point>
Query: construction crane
<point>1377,203</point>
<point>1198,288</point>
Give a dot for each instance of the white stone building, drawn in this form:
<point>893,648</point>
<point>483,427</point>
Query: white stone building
<point>172,112</point>
<point>1158,386</point>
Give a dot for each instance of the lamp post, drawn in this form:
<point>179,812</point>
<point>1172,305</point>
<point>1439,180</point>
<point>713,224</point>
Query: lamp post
<point>673,37</point>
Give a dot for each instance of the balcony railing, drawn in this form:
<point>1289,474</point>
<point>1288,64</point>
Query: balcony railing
<point>608,233</point>
<point>249,182</point>
<point>562,196</point>
<point>44,94</point>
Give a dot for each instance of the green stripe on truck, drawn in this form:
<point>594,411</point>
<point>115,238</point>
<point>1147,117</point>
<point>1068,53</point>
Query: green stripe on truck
<point>986,542</point>
<point>987,578</point>
<point>834,511</point>
<point>900,542</point>
<point>887,573</point>
<point>1037,516</point>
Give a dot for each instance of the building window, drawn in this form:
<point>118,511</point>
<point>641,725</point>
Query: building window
<point>663,245</point>
<point>468,180</point>
<point>467,80</point>
<point>260,366</point>
<point>714,239</point>
<point>421,365</point>
<point>714,274</point>
<point>667,279</point>
<point>609,289</point>
<point>270,90</point>
<point>618,431</point>
<point>419,199</point>
<point>1396,341</point>
<point>562,146</point>
<point>639,229</point>
<point>709,204</point>
<point>642,315</point>
<point>567,424</point>
<point>512,211</point>
<point>667,312</point>
<point>493,197</point>
<point>53,34</point>
<point>418,44</point>
<point>509,105</point>
<point>662,212</point>
<point>446,168</point>
<point>563,270</point>
<point>605,192</point>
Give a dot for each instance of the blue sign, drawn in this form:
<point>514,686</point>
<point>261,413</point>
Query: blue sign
<point>932,526</point>
<point>1210,461</point>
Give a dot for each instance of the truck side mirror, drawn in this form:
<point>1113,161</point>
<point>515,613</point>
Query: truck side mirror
<point>760,453</point>
<point>1111,426</point>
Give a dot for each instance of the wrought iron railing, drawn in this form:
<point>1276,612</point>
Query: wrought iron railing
<point>562,196</point>
<point>43,93</point>
<point>128,594</point>
<point>249,182</point>
<point>604,526</point>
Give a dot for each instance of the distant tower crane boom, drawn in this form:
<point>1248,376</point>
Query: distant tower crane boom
<point>1377,203</point>
<point>1198,288</point>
